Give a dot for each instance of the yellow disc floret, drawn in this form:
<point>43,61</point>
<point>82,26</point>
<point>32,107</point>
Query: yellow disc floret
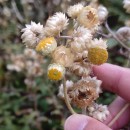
<point>97,55</point>
<point>46,45</point>
<point>56,72</point>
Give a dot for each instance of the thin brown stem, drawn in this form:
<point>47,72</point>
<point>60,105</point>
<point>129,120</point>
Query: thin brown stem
<point>66,97</point>
<point>119,114</point>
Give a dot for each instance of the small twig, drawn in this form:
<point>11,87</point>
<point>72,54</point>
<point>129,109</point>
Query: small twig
<point>115,37</point>
<point>66,97</point>
<point>104,35</point>
<point>119,114</point>
<point>66,37</point>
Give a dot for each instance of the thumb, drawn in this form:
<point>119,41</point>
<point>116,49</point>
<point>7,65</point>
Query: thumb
<point>82,122</point>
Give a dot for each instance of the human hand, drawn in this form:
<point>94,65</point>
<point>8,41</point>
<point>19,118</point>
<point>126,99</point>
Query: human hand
<point>115,79</point>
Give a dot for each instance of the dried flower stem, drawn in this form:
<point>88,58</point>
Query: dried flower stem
<point>115,37</point>
<point>104,35</point>
<point>66,97</point>
<point>119,114</point>
<point>66,37</point>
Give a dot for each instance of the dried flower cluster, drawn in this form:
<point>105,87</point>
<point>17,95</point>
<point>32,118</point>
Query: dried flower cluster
<point>77,54</point>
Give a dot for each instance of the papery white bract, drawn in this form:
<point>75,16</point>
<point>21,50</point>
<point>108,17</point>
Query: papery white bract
<point>32,34</point>
<point>101,43</point>
<point>56,24</point>
<point>74,10</point>
<point>81,37</point>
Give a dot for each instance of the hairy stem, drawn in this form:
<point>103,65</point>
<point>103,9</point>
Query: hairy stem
<point>66,97</point>
<point>119,114</point>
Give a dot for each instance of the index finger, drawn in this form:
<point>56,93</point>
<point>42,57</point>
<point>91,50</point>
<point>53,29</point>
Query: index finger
<point>115,79</point>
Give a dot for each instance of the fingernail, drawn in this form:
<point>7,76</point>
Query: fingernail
<point>76,122</point>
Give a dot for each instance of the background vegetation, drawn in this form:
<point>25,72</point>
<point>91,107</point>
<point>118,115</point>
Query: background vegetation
<point>28,100</point>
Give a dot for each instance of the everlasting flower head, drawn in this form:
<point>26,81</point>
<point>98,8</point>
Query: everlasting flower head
<point>56,71</point>
<point>102,13</point>
<point>81,37</point>
<point>56,24</point>
<point>32,34</point>
<point>46,45</point>
<point>74,10</point>
<point>97,83</point>
<point>97,56</point>
<point>88,17</point>
<point>127,5</point>
<point>63,56</point>
<point>83,93</point>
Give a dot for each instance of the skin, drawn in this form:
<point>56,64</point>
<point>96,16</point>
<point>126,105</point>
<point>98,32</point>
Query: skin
<point>115,79</point>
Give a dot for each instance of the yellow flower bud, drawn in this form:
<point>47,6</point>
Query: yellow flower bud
<point>97,55</point>
<point>46,45</point>
<point>56,72</point>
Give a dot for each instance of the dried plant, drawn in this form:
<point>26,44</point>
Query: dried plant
<point>65,55</point>
<point>73,49</point>
<point>77,53</point>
